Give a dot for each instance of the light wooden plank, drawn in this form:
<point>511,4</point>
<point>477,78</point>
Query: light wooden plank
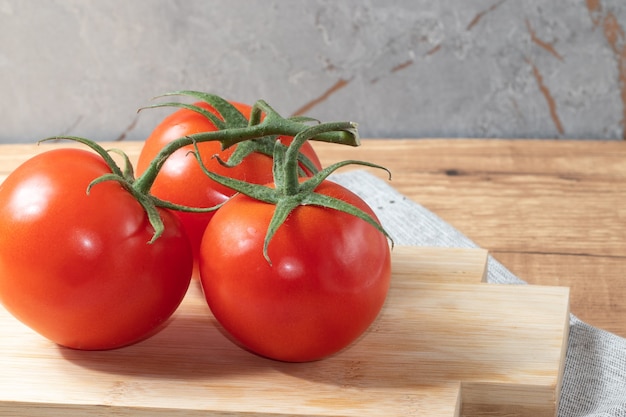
<point>438,348</point>
<point>431,264</point>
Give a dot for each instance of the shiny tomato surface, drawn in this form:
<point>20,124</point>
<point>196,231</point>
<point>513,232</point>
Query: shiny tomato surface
<point>327,281</point>
<point>77,267</point>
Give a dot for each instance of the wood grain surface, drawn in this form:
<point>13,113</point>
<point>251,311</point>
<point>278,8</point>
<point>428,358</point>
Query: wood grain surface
<point>552,211</point>
<point>445,344</point>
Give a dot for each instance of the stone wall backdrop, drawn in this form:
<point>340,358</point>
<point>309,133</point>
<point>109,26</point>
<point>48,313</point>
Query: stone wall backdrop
<point>402,69</point>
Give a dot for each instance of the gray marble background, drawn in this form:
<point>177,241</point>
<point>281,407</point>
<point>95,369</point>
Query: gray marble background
<point>405,68</point>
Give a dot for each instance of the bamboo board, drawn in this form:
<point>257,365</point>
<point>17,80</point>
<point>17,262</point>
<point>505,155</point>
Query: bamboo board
<point>446,344</point>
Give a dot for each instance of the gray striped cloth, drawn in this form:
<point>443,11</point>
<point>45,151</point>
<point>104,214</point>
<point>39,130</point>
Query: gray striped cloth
<point>595,369</point>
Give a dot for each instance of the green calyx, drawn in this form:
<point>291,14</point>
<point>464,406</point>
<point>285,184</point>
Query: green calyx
<point>125,177</point>
<point>289,191</point>
<point>259,134</point>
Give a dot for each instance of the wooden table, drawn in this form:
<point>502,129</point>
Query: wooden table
<point>553,212</point>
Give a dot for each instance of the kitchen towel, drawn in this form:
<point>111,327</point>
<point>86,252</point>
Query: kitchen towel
<point>594,382</point>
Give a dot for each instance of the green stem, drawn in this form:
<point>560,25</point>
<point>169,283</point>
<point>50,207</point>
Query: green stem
<point>264,123</point>
<point>288,192</point>
<point>115,169</point>
<point>272,124</point>
<point>145,181</point>
<point>291,178</point>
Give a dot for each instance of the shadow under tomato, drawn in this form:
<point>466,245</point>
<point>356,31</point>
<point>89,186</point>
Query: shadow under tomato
<point>188,347</point>
<point>193,346</point>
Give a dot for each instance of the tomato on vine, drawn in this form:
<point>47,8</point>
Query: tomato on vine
<point>181,180</point>
<point>297,270</point>
<point>92,259</point>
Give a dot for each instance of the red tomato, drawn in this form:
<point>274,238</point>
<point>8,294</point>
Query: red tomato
<point>181,180</point>
<point>328,279</point>
<point>78,268</point>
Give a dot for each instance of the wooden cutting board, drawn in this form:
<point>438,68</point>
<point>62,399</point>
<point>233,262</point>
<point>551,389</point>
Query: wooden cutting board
<point>446,344</point>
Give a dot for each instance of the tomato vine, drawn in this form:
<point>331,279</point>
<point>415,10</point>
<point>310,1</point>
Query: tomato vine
<point>258,134</point>
<point>289,191</point>
<point>332,257</point>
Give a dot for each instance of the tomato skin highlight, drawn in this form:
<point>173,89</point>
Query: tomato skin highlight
<point>182,181</point>
<point>78,268</point>
<point>328,279</point>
